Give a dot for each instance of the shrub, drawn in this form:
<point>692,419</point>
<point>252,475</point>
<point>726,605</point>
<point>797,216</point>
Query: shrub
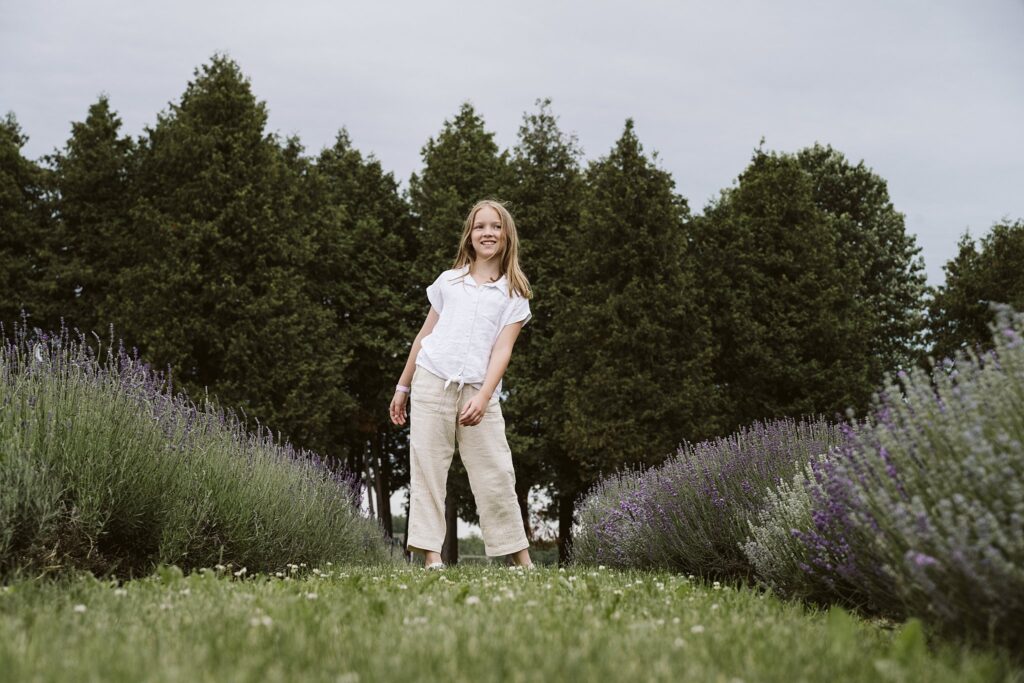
<point>103,467</point>
<point>690,513</point>
<point>921,511</point>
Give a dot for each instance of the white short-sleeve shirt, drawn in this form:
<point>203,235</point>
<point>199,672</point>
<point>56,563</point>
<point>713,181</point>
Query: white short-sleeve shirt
<point>458,349</point>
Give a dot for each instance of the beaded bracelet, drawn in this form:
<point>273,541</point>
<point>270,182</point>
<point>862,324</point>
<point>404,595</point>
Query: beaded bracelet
<point>401,388</point>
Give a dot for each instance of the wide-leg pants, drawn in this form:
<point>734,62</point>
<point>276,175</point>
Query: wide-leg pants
<point>434,429</point>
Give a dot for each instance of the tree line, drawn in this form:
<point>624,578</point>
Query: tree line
<point>290,285</point>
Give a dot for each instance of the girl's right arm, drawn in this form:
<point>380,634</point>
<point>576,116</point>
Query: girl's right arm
<point>398,413</point>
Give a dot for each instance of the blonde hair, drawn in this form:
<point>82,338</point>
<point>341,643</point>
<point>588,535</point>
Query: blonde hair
<point>508,248</point>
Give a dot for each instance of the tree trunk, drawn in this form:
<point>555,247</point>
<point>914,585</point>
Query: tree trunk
<point>381,465</point>
<point>565,515</point>
<point>369,482</point>
<point>450,548</point>
<point>524,509</point>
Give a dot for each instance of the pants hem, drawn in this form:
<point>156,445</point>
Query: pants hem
<point>508,550</point>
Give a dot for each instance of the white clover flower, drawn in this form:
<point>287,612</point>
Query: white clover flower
<point>311,596</point>
<point>79,608</point>
<point>186,591</point>
<point>472,600</point>
<point>714,606</point>
<point>716,586</point>
<point>402,587</point>
<point>678,643</point>
<point>241,572</point>
<point>696,628</point>
<point>120,591</point>
<point>220,567</point>
<point>165,605</point>
<point>675,620</point>
<point>279,574</point>
<point>600,567</point>
<point>261,620</point>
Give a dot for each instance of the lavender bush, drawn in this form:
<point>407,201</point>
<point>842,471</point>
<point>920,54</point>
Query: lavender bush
<point>103,467</point>
<point>921,511</point>
<point>690,513</point>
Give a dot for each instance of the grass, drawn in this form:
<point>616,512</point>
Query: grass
<point>467,623</point>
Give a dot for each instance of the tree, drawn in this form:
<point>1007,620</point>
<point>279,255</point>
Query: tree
<point>218,290</point>
<point>960,313</point>
<point>91,201</point>
<point>545,196</point>
<point>872,234</point>
<point>25,230</point>
<point>634,338</point>
<point>460,167</point>
<point>364,243</point>
<point>792,335</point>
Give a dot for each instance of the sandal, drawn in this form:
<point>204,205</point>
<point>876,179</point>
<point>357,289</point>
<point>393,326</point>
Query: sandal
<point>435,565</point>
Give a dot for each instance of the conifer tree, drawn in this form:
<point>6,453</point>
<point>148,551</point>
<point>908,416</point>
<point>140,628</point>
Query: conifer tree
<point>634,338</point>
<point>461,166</point>
<point>792,336</point>
<point>961,311</point>
<point>218,291</point>
<point>25,228</point>
<point>872,233</point>
<point>364,243</point>
<point>545,197</point>
<point>91,200</point>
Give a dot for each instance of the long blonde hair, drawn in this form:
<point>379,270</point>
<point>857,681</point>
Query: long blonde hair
<point>508,246</point>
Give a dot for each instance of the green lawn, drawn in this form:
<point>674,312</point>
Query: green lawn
<point>471,623</point>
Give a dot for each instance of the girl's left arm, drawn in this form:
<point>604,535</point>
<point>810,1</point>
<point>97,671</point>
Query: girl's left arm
<point>501,353</point>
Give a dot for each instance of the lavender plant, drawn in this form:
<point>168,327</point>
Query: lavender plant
<point>690,513</point>
<point>104,467</point>
<point>921,511</point>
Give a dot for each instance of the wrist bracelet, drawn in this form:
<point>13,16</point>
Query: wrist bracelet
<point>402,388</point>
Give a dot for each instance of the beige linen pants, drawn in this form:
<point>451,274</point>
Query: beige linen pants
<point>433,430</point>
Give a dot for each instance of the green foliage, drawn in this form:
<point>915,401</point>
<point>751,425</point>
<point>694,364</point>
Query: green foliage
<point>872,234</point>
<point>633,339</point>
<point>24,227</point>
<point>103,468</point>
<point>793,336</point>
<point>960,313</point>
<point>218,291</point>
<point>93,240</point>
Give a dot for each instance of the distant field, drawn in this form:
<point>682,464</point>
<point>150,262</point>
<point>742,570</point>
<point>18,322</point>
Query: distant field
<point>470,623</point>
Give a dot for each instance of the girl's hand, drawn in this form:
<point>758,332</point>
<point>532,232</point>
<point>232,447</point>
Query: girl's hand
<point>398,413</point>
<point>473,411</point>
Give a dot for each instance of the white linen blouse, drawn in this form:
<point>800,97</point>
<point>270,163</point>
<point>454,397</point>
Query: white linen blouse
<point>458,349</point>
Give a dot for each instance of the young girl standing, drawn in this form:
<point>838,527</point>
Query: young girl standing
<point>454,373</point>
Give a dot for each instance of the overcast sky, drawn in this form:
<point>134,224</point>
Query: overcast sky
<point>930,94</point>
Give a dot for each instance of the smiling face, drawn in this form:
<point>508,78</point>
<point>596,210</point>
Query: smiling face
<point>486,234</point>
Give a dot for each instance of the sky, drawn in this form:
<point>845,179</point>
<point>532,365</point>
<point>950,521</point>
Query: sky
<point>929,94</point>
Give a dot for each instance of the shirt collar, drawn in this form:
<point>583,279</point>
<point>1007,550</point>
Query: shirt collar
<point>501,283</point>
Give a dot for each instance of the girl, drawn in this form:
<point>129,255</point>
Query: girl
<point>456,365</point>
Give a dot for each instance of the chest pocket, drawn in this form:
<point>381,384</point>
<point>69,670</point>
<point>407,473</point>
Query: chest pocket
<point>492,305</point>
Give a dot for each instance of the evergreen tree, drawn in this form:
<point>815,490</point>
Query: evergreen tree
<point>793,337</point>
<point>364,243</point>
<point>545,197</point>
<point>91,204</point>
<point>460,167</point>
<point>960,313</point>
<point>218,290</point>
<point>634,338</point>
<point>25,237</point>
<point>872,234</point>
